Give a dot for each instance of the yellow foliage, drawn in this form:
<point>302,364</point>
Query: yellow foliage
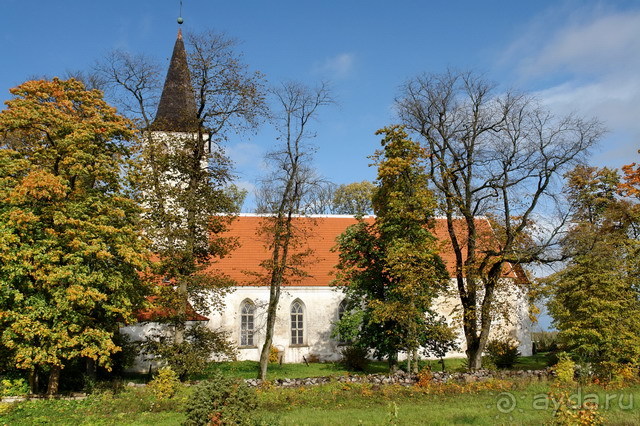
<point>426,385</point>
<point>165,384</point>
<point>565,370</point>
<point>61,174</point>
<point>5,408</point>
<point>424,378</point>
<point>273,354</point>
<point>569,413</point>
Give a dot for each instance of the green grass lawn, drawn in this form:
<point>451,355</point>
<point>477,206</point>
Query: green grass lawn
<point>538,361</point>
<point>133,406</point>
<point>479,408</point>
<point>249,369</point>
<point>332,404</point>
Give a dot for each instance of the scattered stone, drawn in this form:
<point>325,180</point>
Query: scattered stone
<point>406,379</point>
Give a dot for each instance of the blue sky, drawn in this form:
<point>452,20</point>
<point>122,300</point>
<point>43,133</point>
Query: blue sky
<point>581,56</point>
<point>576,56</point>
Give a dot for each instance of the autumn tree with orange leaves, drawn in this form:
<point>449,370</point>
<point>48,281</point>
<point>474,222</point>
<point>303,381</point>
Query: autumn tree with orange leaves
<point>389,269</point>
<point>631,184</point>
<point>71,248</point>
<point>595,299</point>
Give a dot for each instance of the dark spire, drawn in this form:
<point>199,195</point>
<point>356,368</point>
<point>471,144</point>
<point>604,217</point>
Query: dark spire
<point>177,108</point>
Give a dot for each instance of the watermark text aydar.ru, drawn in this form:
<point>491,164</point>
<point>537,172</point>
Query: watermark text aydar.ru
<point>507,401</point>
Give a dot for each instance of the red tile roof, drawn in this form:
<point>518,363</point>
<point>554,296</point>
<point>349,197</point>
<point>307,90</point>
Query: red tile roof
<point>244,262</point>
<point>155,313</point>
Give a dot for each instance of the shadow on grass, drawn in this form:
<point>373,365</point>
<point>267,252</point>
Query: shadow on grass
<point>539,361</point>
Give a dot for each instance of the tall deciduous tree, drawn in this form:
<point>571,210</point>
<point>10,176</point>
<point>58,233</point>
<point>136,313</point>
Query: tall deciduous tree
<point>631,183</point>
<point>283,193</point>
<point>499,155</point>
<point>354,198</point>
<point>325,197</point>
<point>71,244</point>
<point>390,269</point>
<point>185,174</point>
<point>595,299</point>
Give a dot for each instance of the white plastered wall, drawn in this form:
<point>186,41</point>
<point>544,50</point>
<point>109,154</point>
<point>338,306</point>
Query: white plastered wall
<point>320,314</point>
<point>320,310</point>
<point>514,322</point>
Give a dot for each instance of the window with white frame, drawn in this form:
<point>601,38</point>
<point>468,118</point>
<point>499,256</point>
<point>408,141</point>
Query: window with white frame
<point>297,323</point>
<point>247,323</point>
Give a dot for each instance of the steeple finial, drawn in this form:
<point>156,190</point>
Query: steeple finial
<point>180,20</point>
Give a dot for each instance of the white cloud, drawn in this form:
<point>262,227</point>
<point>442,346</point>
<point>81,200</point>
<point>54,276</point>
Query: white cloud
<point>246,185</point>
<point>338,67</point>
<point>244,154</point>
<point>592,44</point>
<point>589,63</point>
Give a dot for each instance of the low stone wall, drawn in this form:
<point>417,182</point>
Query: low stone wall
<point>74,396</point>
<point>410,379</point>
<point>400,378</point>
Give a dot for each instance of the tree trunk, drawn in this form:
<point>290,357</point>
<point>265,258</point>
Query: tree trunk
<point>91,374</point>
<point>54,380</point>
<point>474,355</point>
<point>393,363</point>
<point>282,238</point>
<point>33,380</point>
<point>268,339</point>
<point>470,319</point>
<point>477,341</point>
<point>178,336</point>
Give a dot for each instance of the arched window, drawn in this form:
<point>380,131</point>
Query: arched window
<point>247,323</point>
<point>297,323</point>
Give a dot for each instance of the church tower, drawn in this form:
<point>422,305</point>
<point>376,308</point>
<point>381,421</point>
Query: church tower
<point>175,128</point>
<point>177,107</point>
<point>175,144</point>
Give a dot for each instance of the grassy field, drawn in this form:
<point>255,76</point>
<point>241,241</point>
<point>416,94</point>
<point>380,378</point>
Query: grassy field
<point>336,404</point>
<point>249,369</point>
<point>410,406</point>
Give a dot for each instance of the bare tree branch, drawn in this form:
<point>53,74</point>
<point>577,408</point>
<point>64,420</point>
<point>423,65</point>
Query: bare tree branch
<point>283,193</point>
<point>495,154</point>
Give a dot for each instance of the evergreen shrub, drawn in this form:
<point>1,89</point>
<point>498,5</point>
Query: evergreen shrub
<point>221,400</point>
<point>355,358</point>
<point>503,353</point>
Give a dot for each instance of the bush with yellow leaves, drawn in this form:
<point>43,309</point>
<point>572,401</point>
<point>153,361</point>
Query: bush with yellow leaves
<point>165,384</point>
<point>565,369</point>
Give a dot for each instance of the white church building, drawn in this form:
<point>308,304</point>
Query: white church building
<point>309,309</point>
